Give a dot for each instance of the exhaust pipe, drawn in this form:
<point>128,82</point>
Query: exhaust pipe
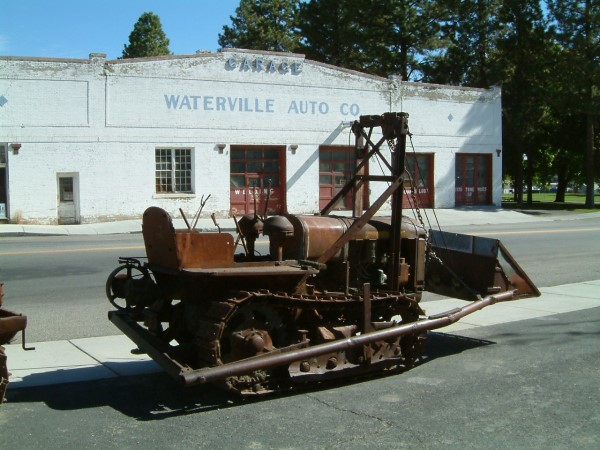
<point>210,374</point>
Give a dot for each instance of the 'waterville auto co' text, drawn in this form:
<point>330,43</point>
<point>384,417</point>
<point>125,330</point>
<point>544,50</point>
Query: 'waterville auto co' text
<point>255,105</point>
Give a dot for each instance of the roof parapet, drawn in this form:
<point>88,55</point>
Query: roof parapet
<point>94,57</point>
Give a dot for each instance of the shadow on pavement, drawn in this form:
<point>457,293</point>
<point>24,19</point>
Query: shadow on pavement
<point>439,345</point>
<point>144,397</point>
<point>156,396</point>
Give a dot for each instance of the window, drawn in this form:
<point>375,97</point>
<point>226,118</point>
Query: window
<point>337,166</point>
<point>65,189</point>
<point>261,163</point>
<point>173,170</point>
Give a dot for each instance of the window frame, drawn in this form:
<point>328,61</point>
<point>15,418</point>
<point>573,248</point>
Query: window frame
<point>168,174</point>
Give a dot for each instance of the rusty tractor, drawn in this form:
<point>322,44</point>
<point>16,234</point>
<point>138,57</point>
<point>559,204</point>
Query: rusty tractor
<point>335,297</point>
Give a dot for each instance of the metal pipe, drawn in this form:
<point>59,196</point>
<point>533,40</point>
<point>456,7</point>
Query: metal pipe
<point>209,374</point>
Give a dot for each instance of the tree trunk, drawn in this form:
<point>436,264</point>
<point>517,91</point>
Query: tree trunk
<point>529,180</point>
<point>519,181</point>
<point>561,188</point>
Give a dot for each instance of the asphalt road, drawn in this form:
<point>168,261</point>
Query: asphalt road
<point>59,282</point>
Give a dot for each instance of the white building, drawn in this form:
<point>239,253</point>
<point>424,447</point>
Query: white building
<point>97,140</point>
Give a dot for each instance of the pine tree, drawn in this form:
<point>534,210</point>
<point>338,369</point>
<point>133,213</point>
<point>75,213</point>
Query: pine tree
<point>523,62</point>
<point>404,33</point>
<point>470,29</point>
<point>329,32</point>
<point>262,25</point>
<point>381,37</point>
<point>577,30</point>
<point>147,38</point>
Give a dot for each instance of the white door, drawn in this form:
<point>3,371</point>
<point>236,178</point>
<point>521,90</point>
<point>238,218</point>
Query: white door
<point>68,207</point>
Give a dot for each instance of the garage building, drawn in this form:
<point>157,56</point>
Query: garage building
<point>90,140</point>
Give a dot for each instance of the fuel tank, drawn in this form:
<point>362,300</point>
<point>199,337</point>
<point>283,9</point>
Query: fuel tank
<point>306,237</point>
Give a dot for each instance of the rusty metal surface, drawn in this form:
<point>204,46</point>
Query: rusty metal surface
<point>204,250</point>
<point>354,230</point>
<point>11,323</point>
<point>178,249</point>
<point>159,238</point>
<point>463,266</point>
<point>202,376</point>
<point>300,352</point>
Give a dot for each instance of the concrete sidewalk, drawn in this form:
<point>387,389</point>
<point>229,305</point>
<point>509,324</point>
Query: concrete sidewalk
<point>110,357</point>
<point>445,218</point>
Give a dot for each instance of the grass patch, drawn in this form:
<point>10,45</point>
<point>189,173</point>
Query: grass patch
<point>545,201</point>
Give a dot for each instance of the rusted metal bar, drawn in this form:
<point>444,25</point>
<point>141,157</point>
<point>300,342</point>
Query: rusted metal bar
<point>266,209</point>
<point>197,216</point>
<point>187,224</point>
<point>399,129</point>
<point>210,374</point>
<point>337,197</point>
<point>520,278</point>
<point>214,219</point>
<point>241,238</point>
<point>147,342</point>
<point>375,146</point>
<point>367,327</point>
<point>10,324</point>
<point>359,171</point>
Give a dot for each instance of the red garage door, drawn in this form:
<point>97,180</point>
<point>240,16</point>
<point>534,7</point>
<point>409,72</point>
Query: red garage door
<point>257,175</point>
<point>336,167</point>
<point>420,170</point>
<point>473,180</point>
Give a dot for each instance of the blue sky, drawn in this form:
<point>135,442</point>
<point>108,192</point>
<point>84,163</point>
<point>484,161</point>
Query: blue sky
<point>76,28</point>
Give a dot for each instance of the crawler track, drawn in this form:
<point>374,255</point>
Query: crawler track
<point>257,323</point>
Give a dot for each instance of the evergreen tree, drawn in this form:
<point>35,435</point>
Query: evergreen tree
<point>147,38</point>
<point>470,29</point>
<point>576,28</point>
<point>381,37</point>
<point>523,66</point>
<point>329,31</point>
<point>262,25</point>
<point>403,35</point>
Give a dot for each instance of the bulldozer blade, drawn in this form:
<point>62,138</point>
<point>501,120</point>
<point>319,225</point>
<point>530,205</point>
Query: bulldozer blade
<point>468,267</point>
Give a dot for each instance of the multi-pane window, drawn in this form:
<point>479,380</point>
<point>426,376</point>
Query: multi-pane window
<point>255,166</point>
<point>336,168</point>
<point>173,170</point>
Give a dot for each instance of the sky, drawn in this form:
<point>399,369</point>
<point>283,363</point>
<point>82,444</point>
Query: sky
<point>76,28</point>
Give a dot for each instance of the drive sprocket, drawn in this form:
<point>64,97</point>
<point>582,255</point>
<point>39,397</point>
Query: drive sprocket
<point>245,328</point>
